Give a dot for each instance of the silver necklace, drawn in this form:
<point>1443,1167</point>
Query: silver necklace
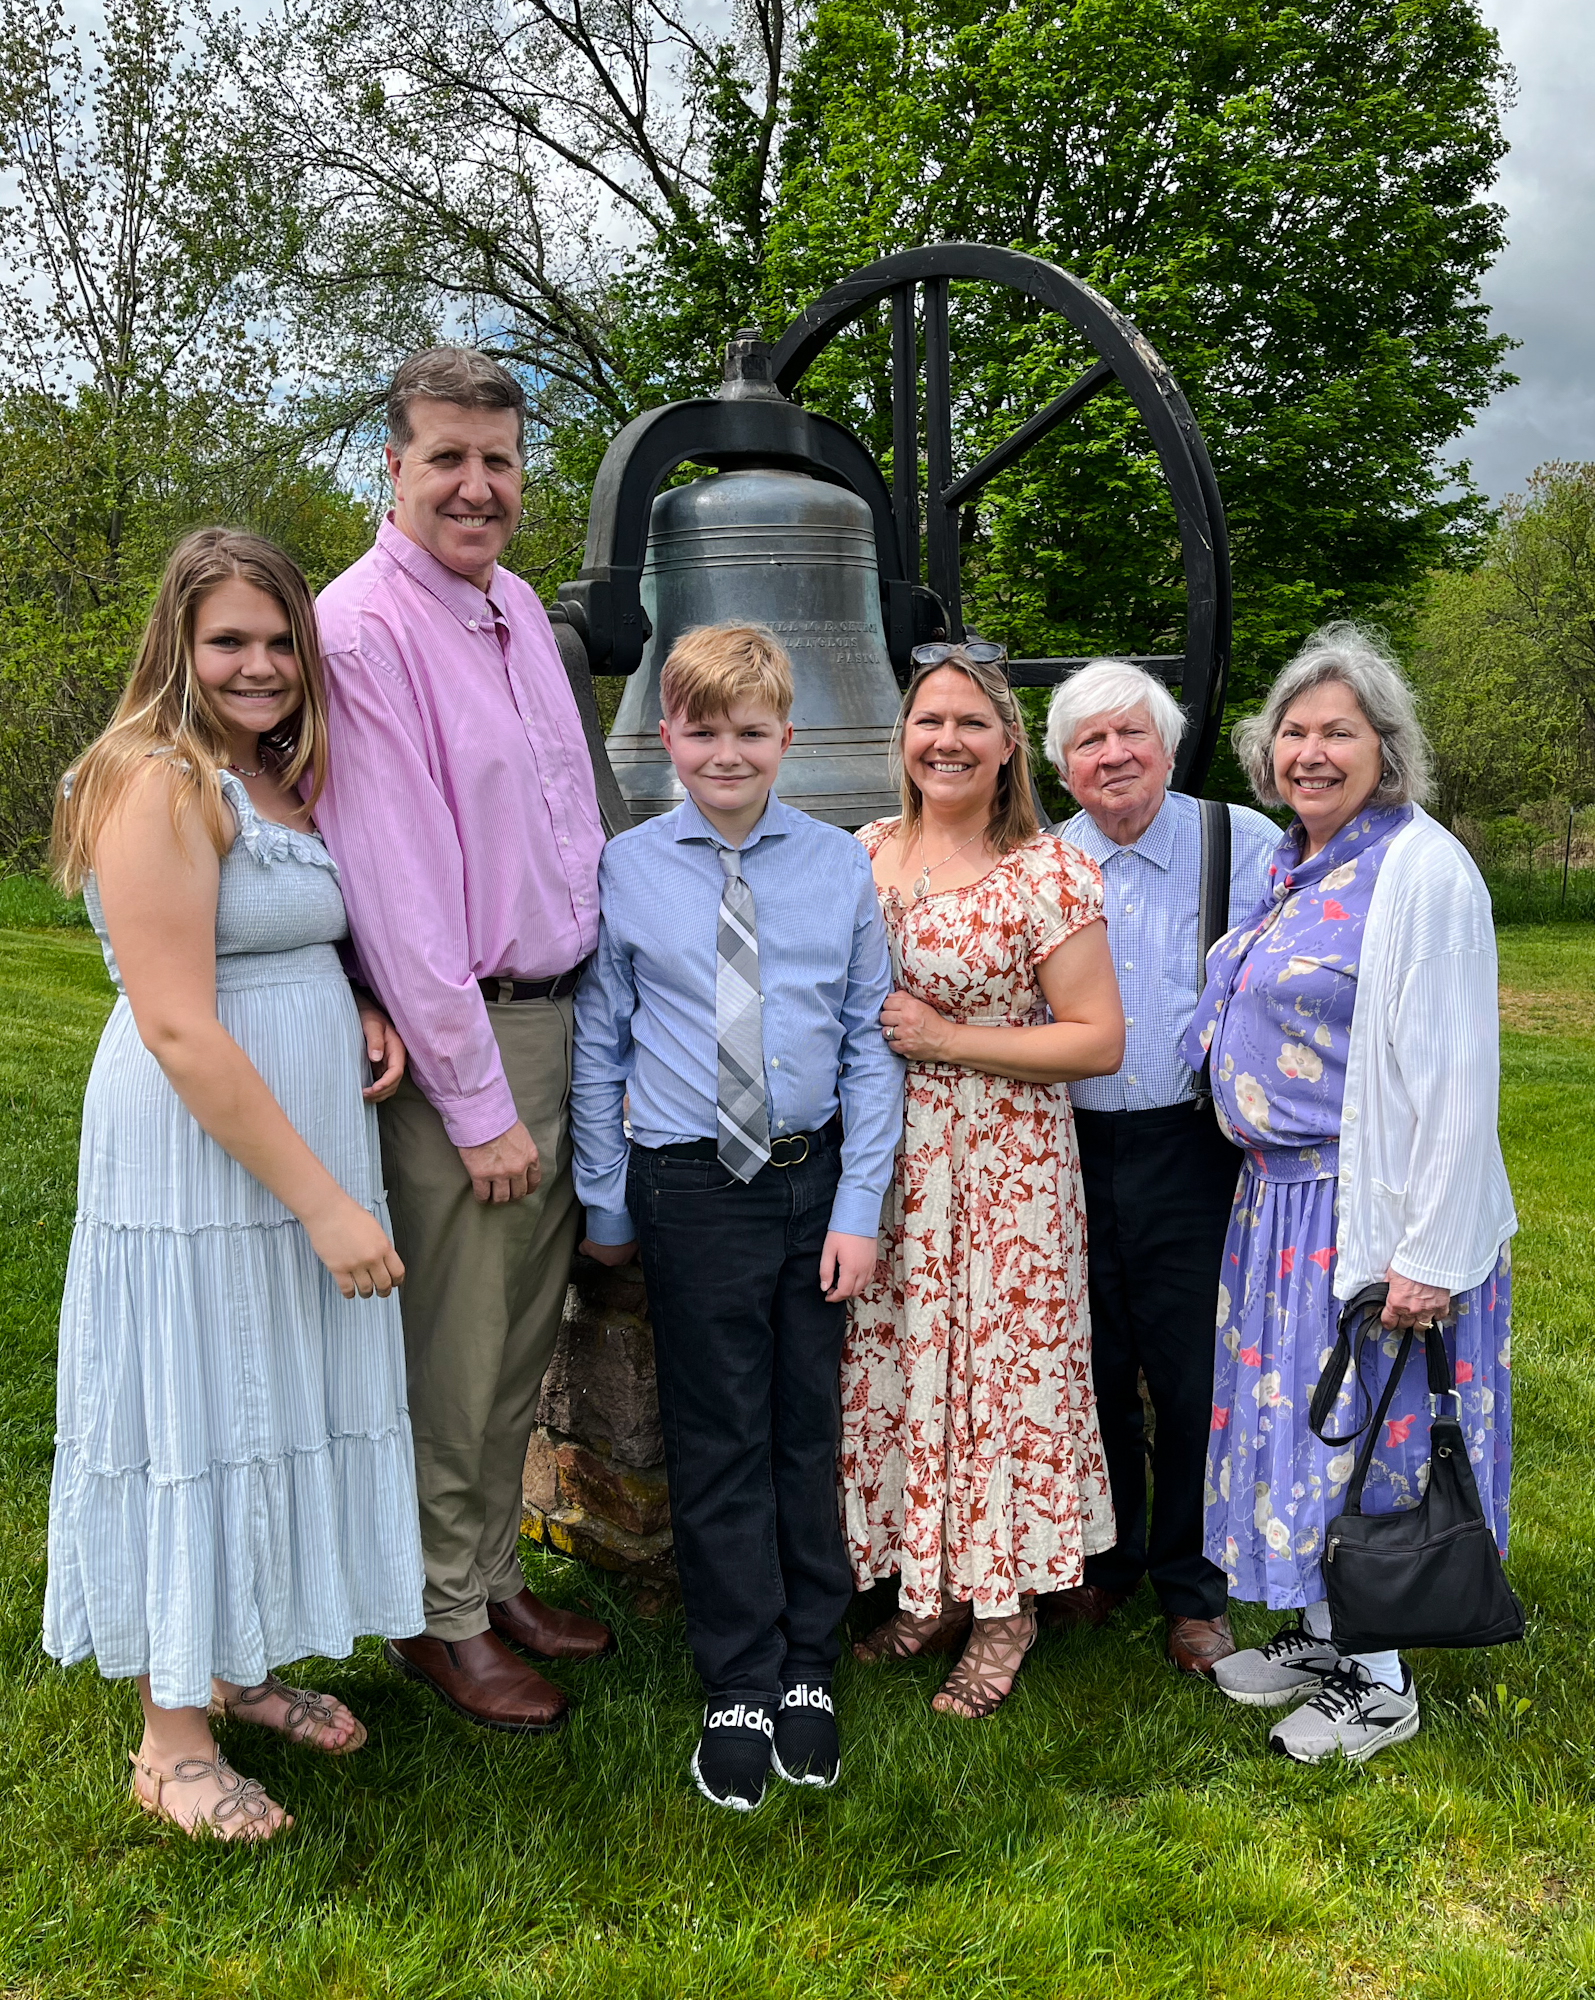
<point>922,885</point>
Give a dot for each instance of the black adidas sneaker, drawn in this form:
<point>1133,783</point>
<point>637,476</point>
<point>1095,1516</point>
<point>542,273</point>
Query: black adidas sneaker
<point>806,1750</point>
<point>732,1759</point>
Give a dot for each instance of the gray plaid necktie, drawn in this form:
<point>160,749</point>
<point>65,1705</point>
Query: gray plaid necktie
<point>743,1121</point>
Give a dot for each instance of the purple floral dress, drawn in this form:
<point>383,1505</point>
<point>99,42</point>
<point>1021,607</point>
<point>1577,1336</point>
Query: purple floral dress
<point>1276,1017</point>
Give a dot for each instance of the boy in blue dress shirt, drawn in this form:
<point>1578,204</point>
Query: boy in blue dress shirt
<point>734,1000</point>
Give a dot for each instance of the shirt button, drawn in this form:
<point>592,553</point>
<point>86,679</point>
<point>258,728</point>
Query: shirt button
<point>470,624</point>
<point>1129,1020</point>
<point>1350,1114</point>
<point>775,1062</point>
<point>1132,1079</point>
<point>564,840</point>
<point>1129,965</point>
<point>780,1124</point>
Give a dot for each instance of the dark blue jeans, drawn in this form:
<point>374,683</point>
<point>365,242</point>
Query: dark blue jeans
<point>748,1355</point>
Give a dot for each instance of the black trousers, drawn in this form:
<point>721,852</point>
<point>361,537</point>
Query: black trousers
<point>748,1356</point>
<point>1159,1186</point>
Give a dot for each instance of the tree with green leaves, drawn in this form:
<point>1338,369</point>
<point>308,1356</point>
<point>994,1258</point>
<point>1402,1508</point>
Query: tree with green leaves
<point>1504,656</point>
<point>135,386</point>
<point>1289,200</point>
<point>582,189</point>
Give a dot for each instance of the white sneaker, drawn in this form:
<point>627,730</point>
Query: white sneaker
<point>1352,1715</point>
<point>1292,1664</point>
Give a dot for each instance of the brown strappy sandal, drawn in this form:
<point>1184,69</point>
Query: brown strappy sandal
<point>241,1813</point>
<point>308,1712</point>
<point>905,1637</point>
<point>996,1650</point>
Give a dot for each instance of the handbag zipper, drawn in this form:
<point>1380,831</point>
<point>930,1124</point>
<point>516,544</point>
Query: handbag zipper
<point>1472,1527</point>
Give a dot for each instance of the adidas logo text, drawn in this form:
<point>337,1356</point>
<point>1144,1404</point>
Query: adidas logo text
<point>737,1716</point>
<point>806,1696</point>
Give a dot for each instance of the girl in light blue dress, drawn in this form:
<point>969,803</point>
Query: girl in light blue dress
<point>233,1484</point>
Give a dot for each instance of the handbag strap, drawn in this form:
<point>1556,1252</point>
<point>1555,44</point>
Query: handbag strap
<point>1365,1456</point>
<point>1356,1316</point>
<point>1360,1320</point>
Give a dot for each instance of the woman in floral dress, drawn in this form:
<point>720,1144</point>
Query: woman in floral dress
<point>1350,1032</point>
<point>972,1466</point>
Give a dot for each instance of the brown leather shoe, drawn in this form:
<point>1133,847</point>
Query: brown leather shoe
<point>1196,1645</point>
<point>545,1632</point>
<point>481,1679</point>
<point>1083,1604</point>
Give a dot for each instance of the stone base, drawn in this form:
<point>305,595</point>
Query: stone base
<point>594,1484</point>
<point>573,1532</point>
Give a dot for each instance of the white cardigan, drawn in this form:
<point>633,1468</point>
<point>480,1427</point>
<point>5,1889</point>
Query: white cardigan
<point>1422,1185</point>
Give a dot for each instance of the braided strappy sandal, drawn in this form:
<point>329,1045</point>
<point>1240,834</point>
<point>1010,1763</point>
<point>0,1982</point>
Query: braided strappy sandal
<point>905,1637</point>
<point>308,1712</point>
<point>242,1812</point>
<point>995,1653</point>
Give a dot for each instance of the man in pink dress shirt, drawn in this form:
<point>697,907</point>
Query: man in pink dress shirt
<point>461,812</point>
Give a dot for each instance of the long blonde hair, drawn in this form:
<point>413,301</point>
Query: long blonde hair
<point>164,706</point>
<point>1013,812</point>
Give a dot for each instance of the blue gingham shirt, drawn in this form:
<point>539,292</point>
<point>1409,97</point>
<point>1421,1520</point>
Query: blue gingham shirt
<point>1150,892</point>
<point>645,1024</point>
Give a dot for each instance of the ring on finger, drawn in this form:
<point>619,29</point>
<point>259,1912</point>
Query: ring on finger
<point>888,1034</point>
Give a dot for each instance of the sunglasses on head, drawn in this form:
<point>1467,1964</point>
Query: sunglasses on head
<point>984,652</point>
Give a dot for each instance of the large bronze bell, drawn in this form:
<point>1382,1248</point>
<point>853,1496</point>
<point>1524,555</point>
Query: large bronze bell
<point>796,555</point>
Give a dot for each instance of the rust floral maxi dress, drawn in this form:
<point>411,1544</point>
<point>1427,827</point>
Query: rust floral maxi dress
<point>971,1458</point>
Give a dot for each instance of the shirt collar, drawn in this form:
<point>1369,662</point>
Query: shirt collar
<point>1156,844</point>
<point>457,594</point>
<point>775,820</point>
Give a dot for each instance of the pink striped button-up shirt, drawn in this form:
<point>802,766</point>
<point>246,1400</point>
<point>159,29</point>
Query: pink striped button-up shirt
<point>459,808</point>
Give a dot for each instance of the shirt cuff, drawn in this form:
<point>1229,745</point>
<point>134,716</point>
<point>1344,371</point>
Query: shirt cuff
<point>472,1121</point>
<point>855,1212</point>
<point>610,1225</point>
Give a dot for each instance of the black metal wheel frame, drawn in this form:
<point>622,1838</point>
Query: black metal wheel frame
<point>1125,356</point>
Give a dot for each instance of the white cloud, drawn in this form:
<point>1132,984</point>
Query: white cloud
<point>1542,291</point>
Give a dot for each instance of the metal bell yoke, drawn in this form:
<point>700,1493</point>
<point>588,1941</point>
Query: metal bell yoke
<point>795,529</point>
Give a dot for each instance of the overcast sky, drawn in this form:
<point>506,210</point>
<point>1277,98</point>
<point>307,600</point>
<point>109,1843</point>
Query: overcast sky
<point>1543,289</point>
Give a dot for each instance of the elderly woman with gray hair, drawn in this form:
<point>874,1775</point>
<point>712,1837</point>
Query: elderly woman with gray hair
<point>1350,1032</point>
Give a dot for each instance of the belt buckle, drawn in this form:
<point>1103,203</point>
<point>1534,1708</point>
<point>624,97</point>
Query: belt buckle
<point>793,1140</point>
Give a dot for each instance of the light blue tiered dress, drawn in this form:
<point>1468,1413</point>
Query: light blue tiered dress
<point>234,1485</point>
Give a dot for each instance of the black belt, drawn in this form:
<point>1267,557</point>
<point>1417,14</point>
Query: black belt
<point>503,991</point>
<point>780,1153</point>
<point>1154,1114</point>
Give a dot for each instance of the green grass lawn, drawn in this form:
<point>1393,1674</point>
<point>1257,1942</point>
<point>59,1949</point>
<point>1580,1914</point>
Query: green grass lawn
<point>1114,1831</point>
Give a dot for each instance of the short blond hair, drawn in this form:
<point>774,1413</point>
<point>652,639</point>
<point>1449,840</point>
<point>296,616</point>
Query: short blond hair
<point>713,667</point>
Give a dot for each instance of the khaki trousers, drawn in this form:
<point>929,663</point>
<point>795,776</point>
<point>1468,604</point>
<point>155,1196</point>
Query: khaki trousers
<point>484,1289</point>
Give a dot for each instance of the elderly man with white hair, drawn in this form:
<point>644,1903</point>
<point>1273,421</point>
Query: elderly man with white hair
<point>1159,1175</point>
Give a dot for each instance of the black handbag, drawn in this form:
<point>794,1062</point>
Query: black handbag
<point>1429,1575</point>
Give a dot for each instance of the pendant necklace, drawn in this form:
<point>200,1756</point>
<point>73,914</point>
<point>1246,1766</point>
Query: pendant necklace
<point>922,884</point>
